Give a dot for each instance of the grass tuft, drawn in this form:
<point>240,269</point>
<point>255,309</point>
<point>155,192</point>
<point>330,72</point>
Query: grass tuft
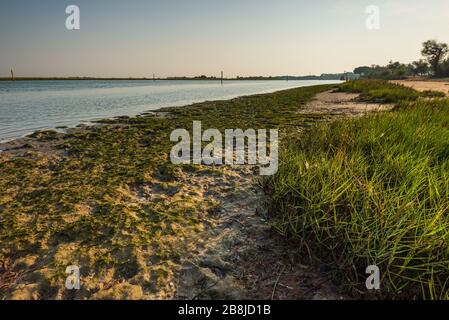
<point>373,190</point>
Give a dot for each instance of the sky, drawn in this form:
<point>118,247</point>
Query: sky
<point>193,37</point>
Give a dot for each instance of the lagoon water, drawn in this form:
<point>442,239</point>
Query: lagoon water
<point>27,106</point>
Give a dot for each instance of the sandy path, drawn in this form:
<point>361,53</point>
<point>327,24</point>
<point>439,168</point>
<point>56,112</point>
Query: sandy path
<point>340,104</point>
<point>442,86</point>
<point>241,257</point>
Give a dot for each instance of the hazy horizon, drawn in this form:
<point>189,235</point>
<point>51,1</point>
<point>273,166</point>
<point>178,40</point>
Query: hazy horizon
<point>196,37</point>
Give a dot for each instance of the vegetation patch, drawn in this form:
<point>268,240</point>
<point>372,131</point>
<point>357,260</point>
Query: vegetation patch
<point>372,191</point>
<point>381,91</point>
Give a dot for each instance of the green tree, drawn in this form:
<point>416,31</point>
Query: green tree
<point>435,54</point>
<point>420,68</point>
<point>363,71</point>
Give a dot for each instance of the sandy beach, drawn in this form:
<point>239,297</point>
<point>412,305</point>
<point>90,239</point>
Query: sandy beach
<point>425,85</point>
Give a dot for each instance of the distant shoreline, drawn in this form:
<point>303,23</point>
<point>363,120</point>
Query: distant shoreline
<point>277,78</point>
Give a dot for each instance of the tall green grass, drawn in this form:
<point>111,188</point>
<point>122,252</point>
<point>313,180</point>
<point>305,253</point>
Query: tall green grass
<point>373,190</point>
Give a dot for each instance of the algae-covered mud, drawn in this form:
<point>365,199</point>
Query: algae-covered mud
<point>107,198</point>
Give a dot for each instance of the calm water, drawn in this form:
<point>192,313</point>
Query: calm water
<point>27,106</point>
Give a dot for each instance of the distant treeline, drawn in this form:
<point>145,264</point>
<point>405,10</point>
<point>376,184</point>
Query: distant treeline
<point>202,77</point>
<point>435,63</point>
<point>336,76</point>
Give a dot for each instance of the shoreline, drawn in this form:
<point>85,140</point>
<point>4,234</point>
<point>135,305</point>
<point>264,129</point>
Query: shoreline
<point>306,78</point>
<point>94,122</point>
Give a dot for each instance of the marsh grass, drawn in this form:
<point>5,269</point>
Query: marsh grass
<point>373,190</point>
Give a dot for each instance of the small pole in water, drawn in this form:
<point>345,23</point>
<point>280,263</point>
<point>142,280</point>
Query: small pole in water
<point>12,75</point>
<point>222,78</point>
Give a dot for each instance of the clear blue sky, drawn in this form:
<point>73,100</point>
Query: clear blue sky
<point>191,37</point>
